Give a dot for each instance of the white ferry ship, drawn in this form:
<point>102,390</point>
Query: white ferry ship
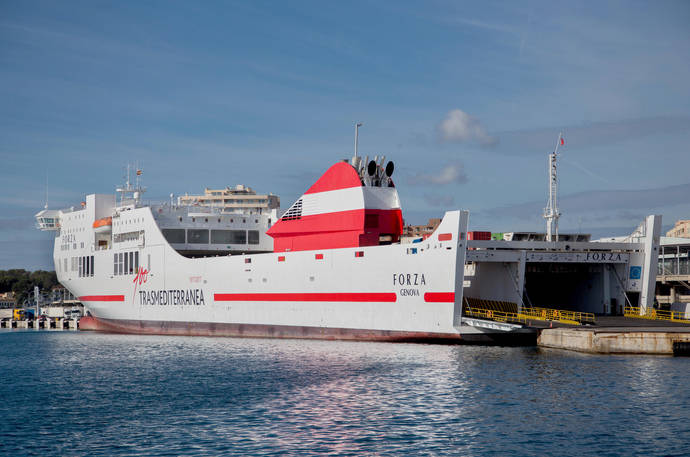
<point>332,267</point>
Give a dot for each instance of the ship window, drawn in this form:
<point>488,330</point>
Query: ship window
<point>92,266</point>
<point>197,236</point>
<point>136,261</point>
<point>174,235</point>
<point>253,237</point>
<point>239,237</point>
<point>115,264</point>
<point>120,263</point>
<point>126,263</point>
<point>221,236</point>
<point>131,262</point>
<point>80,266</point>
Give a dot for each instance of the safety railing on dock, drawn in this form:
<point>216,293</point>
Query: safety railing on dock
<point>655,314</point>
<point>558,315</point>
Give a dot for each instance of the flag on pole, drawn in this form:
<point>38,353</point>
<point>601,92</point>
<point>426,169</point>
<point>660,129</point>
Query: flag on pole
<point>562,141</point>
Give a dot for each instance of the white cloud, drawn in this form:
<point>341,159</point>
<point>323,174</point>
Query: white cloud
<point>458,126</point>
<point>451,173</point>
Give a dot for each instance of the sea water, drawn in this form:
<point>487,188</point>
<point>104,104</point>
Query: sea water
<point>93,394</point>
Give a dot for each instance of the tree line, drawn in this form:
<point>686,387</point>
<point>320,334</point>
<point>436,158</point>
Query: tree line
<point>22,282</point>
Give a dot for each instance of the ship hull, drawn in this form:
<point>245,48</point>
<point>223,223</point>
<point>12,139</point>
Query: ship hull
<point>219,329</point>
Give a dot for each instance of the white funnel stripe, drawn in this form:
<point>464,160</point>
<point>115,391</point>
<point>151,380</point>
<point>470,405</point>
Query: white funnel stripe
<point>350,199</point>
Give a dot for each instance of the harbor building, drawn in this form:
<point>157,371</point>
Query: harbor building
<point>673,275</point>
<point>240,198</point>
<point>414,231</point>
<point>680,230</point>
<point>8,300</point>
<point>573,274</point>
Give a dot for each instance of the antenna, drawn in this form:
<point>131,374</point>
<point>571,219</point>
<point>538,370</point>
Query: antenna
<point>357,126</point>
<point>46,205</point>
<point>551,213</point>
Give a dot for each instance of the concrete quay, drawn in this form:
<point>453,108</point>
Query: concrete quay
<point>56,324</point>
<point>631,339</point>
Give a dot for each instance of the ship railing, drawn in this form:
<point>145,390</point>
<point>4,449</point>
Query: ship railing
<point>495,315</point>
<point>509,311</point>
<point>655,314</point>
<point>527,315</point>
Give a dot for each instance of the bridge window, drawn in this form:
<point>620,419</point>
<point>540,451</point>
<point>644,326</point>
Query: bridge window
<point>253,236</point>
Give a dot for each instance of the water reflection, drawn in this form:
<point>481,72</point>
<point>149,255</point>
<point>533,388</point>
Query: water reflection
<point>97,394</point>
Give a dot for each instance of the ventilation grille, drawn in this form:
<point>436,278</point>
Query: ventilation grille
<point>295,212</point>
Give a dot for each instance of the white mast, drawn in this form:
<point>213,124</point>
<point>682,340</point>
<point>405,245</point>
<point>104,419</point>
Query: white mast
<point>551,213</point>
<point>128,189</point>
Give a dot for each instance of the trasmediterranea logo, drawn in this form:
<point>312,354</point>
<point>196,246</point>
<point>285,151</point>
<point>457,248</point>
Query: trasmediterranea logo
<point>141,278</point>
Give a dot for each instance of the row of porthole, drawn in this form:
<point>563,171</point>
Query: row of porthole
<point>129,221</point>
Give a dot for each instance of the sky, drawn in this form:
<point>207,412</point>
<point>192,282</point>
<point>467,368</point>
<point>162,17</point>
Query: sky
<point>467,98</point>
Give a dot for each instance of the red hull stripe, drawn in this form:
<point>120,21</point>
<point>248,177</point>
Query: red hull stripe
<point>439,297</point>
<point>338,297</point>
<point>102,298</point>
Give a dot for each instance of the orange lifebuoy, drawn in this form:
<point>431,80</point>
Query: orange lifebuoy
<point>104,222</point>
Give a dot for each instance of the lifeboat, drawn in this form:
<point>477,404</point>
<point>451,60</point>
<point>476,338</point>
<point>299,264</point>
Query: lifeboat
<point>103,225</point>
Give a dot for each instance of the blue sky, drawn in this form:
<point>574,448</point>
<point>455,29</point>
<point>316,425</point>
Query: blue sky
<point>466,97</point>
